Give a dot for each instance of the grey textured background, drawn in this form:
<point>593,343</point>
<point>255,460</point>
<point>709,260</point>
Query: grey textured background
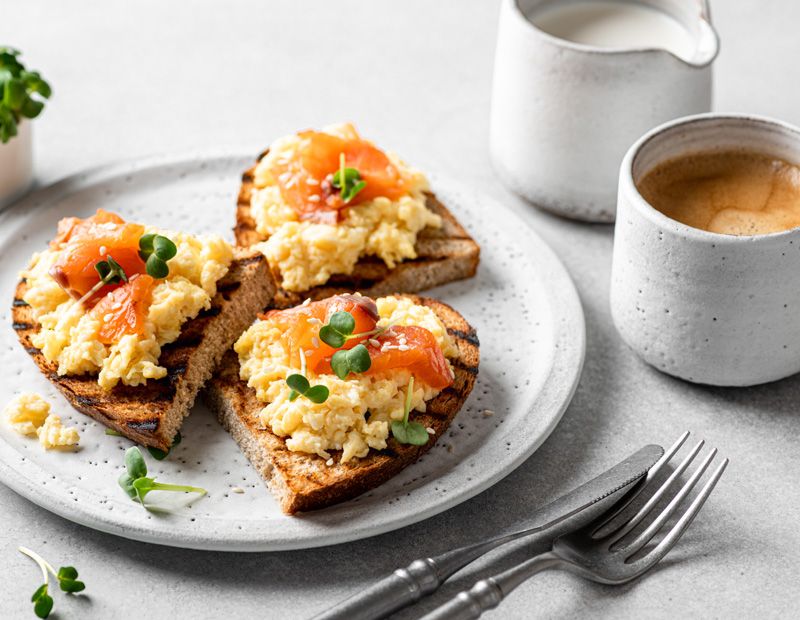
<point>134,78</point>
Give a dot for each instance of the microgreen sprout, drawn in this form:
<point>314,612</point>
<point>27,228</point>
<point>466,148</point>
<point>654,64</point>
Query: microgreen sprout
<point>339,329</point>
<point>136,483</point>
<point>110,272</point>
<point>114,432</point>
<point>67,577</point>
<point>348,180</point>
<point>301,387</point>
<point>352,360</point>
<point>156,250</point>
<point>409,432</point>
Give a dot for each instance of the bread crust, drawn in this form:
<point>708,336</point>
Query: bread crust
<point>151,414</point>
<point>444,255</point>
<point>303,482</point>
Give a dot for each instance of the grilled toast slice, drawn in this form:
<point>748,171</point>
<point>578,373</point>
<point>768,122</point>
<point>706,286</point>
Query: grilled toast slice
<point>444,255</point>
<point>303,482</point>
<point>152,414</point>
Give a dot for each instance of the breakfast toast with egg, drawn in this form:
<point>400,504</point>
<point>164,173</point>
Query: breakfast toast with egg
<point>151,414</point>
<point>301,481</point>
<point>444,255</point>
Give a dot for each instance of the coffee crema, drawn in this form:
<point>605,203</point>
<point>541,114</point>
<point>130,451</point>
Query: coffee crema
<point>727,192</point>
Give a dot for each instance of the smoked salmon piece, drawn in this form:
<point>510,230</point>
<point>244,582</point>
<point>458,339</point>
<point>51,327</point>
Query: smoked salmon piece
<point>305,179</point>
<point>410,348</point>
<point>124,310</point>
<point>84,243</point>
<point>414,349</point>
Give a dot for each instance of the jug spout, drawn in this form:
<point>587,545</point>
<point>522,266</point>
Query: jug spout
<point>707,42</point>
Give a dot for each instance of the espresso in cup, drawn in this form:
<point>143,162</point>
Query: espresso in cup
<point>732,192</point>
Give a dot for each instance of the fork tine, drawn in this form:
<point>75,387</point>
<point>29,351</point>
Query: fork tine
<point>652,529</point>
<point>686,519</point>
<point>638,488</point>
<point>656,497</point>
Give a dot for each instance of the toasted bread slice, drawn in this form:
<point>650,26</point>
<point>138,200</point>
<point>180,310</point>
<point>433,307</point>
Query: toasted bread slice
<point>152,414</point>
<point>302,482</point>
<point>444,255</point>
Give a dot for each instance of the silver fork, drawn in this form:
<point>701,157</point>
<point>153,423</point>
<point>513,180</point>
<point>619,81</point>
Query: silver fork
<point>596,551</point>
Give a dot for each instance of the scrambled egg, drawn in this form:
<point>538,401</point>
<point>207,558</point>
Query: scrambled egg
<point>307,254</point>
<point>29,414</point>
<point>69,335</point>
<point>53,434</point>
<point>342,421</point>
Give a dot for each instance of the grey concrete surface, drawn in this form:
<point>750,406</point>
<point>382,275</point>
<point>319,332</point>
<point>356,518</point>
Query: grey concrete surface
<point>134,78</point>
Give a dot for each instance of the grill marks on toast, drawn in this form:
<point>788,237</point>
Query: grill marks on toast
<point>443,255</point>
<point>151,414</point>
<point>303,482</point>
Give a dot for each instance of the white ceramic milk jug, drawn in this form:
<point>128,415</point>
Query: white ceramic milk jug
<point>564,112</point>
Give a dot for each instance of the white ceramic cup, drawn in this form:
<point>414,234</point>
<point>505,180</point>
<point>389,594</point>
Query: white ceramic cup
<point>706,307</point>
<point>16,164</point>
<point>563,114</point>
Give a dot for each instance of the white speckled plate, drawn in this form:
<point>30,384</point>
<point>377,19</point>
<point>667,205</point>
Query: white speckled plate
<point>522,302</point>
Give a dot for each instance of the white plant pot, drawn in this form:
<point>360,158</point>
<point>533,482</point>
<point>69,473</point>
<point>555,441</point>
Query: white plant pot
<point>16,164</point>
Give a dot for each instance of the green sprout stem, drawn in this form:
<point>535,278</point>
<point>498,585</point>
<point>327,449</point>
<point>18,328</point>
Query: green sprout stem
<point>409,394</point>
<point>163,486</point>
<point>43,564</point>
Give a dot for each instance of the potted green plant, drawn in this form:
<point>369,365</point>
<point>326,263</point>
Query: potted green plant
<point>22,97</point>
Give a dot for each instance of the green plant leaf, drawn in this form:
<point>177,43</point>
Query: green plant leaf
<point>160,455</point>
<point>317,394</point>
<point>71,585</point>
<point>126,482</point>
<point>134,462</point>
<point>340,364</point>
<point>67,572</point>
<point>399,431</point>
<point>298,383</point>
<point>354,360</point>
<point>343,322</point>
<point>156,267</point>
<point>146,245</point>
<point>412,433</point>
<point>164,248</point>
<point>41,590</point>
<point>43,606</point>
<point>331,337</point>
<point>14,93</point>
<point>31,108</point>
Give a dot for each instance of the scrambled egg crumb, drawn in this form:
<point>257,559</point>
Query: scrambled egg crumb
<point>359,410</point>
<point>53,434</point>
<point>29,414</point>
<point>69,336</point>
<point>307,254</point>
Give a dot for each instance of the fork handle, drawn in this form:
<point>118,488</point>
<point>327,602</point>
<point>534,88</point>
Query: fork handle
<point>489,593</point>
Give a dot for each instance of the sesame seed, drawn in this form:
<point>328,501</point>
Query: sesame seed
<point>103,250</point>
<point>239,490</point>
<point>314,320</point>
<point>312,181</point>
<point>488,413</point>
<point>107,317</point>
<point>313,198</point>
<point>292,182</point>
<point>285,177</point>
<point>374,342</point>
<point>430,431</point>
<point>329,462</point>
<point>307,301</point>
<point>308,353</point>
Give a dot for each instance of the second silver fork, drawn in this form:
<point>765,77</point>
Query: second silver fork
<point>596,552</point>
